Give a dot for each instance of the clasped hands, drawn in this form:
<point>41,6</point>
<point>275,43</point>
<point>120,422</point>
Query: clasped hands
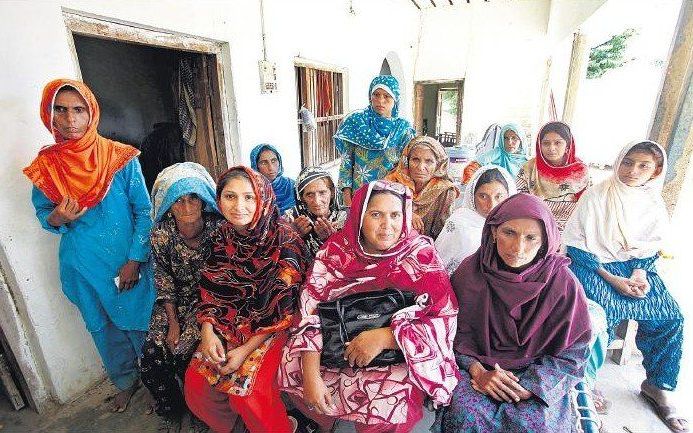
<point>499,384</point>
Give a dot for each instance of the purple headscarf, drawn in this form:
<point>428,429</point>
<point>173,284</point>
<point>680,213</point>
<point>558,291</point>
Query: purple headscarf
<point>514,319</point>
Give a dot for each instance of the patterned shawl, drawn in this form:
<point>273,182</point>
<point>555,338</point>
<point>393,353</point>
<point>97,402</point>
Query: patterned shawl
<point>499,156</point>
<point>427,200</point>
<point>178,180</point>
<point>248,285</point>
<point>283,186</point>
<point>336,215</point>
<point>424,331</point>
<point>514,319</point>
<point>461,235</point>
<point>84,168</point>
<point>566,182</point>
<point>368,129</point>
<point>617,222</point>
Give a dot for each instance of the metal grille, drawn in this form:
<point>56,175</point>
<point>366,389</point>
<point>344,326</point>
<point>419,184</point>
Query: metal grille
<point>321,92</point>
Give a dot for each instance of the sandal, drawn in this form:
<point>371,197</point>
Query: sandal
<point>601,403</point>
<point>667,414</point>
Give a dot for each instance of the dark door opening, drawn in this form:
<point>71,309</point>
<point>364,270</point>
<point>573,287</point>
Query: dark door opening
<point>163,101</point>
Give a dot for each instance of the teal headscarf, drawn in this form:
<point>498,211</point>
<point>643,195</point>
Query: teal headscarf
<point>499,156</point>
<point>368,129</point>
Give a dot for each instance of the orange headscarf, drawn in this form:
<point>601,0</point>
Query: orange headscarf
<point>82,169</point>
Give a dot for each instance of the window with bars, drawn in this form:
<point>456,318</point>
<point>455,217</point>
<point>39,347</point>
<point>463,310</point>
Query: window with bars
<point>322,93</point>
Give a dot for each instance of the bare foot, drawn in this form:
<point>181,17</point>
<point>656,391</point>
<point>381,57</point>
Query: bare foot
<point>121,400</point>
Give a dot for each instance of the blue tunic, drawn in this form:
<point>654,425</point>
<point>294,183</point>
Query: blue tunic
<point>660,322</point>
<point>657,305</point>
<point>94,248</point>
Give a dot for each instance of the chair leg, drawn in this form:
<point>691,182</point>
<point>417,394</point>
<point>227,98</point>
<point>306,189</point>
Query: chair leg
<point>626,330</point>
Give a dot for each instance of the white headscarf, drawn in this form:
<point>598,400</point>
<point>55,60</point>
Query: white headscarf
<point>617,222</point>
<point>461,235</point>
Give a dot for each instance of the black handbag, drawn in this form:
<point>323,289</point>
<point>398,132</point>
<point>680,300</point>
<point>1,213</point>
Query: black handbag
<point>343,319</point>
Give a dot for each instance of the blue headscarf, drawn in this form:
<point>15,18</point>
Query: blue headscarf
<point>368,129</point>
<point>283,186</point>
<point>178,180</point>
<point>512,162</point>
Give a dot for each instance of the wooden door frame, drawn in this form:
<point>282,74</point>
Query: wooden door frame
<point>220,83</point>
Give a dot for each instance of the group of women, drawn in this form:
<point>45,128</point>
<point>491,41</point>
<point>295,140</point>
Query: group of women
<point>499,331</point>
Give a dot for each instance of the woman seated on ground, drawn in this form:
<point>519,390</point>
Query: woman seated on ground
<point>376,250</point>
<point>509,152</point>
<point>248,288</point>
<point>423,168</point>
<point>370,141</point>
<point>265,159</point>
<point>317,214</point>
<point>523,327</point>
<point>185,214</point>
<point>614,238</point>
<point>461,235</point>
<point>555,174</point>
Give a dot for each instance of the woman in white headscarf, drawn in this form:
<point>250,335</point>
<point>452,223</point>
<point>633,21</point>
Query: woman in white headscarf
<point>461,235</point>
<point>614,239</point>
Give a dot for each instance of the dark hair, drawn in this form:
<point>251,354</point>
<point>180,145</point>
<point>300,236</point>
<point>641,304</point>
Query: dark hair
<point>68,87</point>
<point>559,128</point>
<point>234,173</point>
<point>651,149</point>
<point>384,191</point>
<point>492,175</point>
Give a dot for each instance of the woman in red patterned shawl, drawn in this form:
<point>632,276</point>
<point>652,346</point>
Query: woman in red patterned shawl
<point>376,250</point>
<point>555,174</point>
<point>248,290</point>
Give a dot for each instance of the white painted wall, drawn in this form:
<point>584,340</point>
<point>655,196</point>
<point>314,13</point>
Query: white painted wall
<point>36,48</point>
<point>499,48</point>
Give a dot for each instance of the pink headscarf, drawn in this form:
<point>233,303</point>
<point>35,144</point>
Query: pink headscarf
<point>424,331</point>
<point>510,318</point>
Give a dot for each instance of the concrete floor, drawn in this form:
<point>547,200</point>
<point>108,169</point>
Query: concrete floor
<point>91,412</point>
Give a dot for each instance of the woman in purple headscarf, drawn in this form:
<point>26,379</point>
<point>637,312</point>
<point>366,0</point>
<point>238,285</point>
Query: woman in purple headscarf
<point>523,329</point>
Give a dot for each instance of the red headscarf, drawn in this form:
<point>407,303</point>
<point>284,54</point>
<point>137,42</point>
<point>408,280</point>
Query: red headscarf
<point>515,318</point>
<point>250,282</point>
<point>553,181</point>
<point>82,169</point>
<point>343,267</point>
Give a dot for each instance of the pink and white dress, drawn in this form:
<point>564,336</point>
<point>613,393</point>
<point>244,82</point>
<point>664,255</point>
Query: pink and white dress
<point>424,331</point>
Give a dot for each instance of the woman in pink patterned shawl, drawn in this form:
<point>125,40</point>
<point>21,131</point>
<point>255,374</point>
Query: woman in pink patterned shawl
<point>376,250</point>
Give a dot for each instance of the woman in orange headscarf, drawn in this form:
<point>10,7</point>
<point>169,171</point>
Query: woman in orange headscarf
<point>90,191</point>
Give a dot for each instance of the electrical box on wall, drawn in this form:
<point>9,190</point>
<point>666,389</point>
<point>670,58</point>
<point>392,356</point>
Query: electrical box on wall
<point>268,76</point>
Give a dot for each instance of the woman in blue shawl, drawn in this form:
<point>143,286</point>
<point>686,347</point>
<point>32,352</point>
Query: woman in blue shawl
<point>509,153</point>
<point>371,140</point>
<point>185,215</point>
<point>265,159</point>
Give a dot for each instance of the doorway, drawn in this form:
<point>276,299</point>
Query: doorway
<point>161,99</point>
<point>438,110</point>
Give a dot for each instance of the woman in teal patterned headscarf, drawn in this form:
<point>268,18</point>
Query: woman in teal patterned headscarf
<point>371,140</point>
<point>509,152</point>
